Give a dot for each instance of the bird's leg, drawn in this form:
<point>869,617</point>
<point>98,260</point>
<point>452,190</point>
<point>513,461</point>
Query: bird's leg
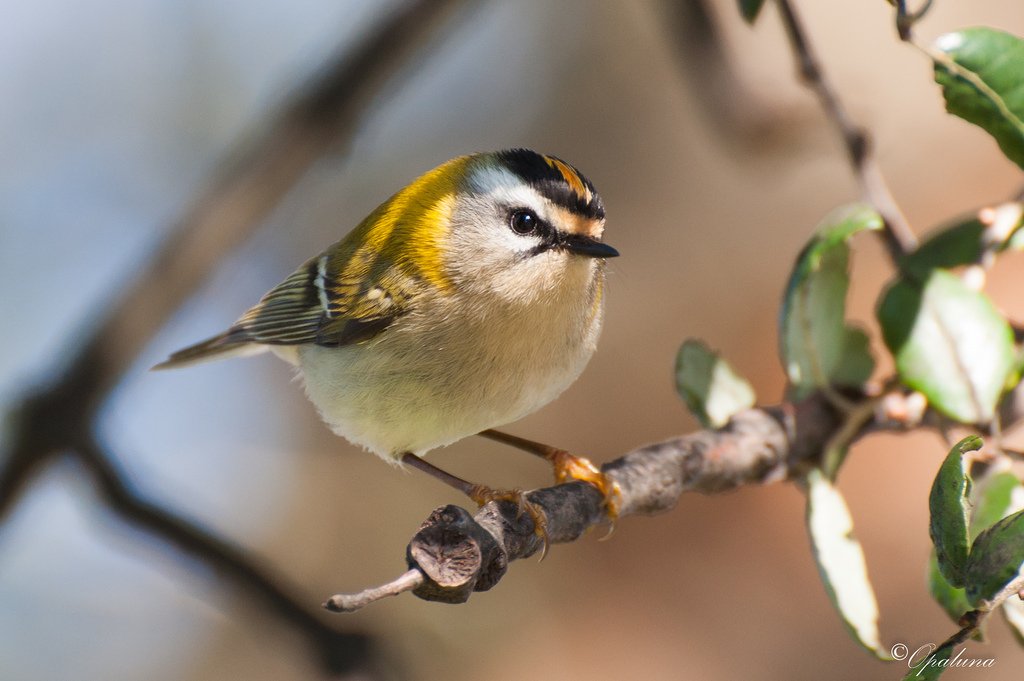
<point>567,467</point>
<point>482,494</point>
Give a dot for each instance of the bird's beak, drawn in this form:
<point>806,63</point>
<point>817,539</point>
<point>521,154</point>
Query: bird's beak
<point>588,246</point>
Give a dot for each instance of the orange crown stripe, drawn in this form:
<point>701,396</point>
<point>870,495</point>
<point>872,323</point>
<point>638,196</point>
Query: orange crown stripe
<point>571,178</point>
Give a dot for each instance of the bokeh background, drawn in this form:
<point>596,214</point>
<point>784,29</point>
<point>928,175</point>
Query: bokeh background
<point>115,113</point>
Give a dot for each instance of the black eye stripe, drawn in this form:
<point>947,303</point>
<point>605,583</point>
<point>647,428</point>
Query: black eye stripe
<point>533,169</point>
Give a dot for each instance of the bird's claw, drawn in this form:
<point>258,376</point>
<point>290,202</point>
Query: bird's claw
<point>569,467</point>
<point>483,495</point>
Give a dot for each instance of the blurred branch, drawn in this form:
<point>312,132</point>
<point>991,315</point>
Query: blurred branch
<point>342,651</point>
<point>729,105</point>
<point>898,236</point>
<point>322,117</point>
<point>59,419</point>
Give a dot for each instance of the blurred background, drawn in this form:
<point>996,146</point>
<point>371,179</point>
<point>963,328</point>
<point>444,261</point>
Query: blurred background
<point>714,172</point>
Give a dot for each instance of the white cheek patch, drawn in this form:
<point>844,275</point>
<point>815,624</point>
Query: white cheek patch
<point>499,187</point>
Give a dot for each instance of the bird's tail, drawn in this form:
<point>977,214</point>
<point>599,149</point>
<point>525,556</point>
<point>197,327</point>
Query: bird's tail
<point>220,346</point>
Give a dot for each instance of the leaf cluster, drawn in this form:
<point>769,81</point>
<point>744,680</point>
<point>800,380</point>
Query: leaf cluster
<point>949,342</point>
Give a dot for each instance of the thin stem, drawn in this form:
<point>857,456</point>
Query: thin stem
<point>905,20</point>
<point>899,238</point>
<point>408,581</point>
<point>855,419</point>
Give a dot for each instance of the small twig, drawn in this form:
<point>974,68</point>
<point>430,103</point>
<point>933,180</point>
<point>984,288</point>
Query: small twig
<point>898,236</point>
<point>972,620</point>
<point>854,421</point>
<point>905,20</point>
<point>410,580</point>
<point>903,24</point>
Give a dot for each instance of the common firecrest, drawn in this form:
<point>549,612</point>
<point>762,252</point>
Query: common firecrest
<point>467,300</point>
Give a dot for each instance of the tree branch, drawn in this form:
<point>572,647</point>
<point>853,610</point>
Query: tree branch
<point>457,553</point>
<point>454,553</point>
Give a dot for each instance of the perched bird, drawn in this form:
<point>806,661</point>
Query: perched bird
<point>467,300</point>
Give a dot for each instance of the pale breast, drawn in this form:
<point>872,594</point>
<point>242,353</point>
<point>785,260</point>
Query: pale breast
<point>437,376</point>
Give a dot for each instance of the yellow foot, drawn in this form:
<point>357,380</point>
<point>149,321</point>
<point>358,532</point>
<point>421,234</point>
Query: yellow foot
<point>569,467</point>
<point>483,495</point>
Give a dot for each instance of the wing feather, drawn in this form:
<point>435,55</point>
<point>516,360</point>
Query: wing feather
<point>329,301</point>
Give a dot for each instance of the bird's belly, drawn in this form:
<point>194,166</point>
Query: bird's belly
<point>391,397</point>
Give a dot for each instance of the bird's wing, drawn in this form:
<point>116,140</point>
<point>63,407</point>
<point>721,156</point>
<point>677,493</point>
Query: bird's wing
<point>346,295</point>
<point>336,299</point>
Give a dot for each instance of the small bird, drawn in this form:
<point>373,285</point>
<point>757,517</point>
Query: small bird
<point>469,299</point>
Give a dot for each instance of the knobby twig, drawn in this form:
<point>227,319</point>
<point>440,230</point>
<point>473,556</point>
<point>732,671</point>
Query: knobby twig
<point>59,418</point>
<point>899,238</point>
<point>454,553</point>
<point>407,581</point>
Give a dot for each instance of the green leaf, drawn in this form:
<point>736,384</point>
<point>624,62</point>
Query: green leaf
<point>949,507</point>
<point>709,386</point>
<point>840,561</point>
<point>994,502</point>
<point>981,72</point>
<point>965,240</point>
<point>855,361</point>
<point>952,599</point>
<point>949,247</point>
<point>950,343</point>
<point>996,559</point>
<point>931,667</point>
<point>816,344</point>
<point>750,9</point>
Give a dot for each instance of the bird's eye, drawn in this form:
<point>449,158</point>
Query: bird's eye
<point>524,221</point>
